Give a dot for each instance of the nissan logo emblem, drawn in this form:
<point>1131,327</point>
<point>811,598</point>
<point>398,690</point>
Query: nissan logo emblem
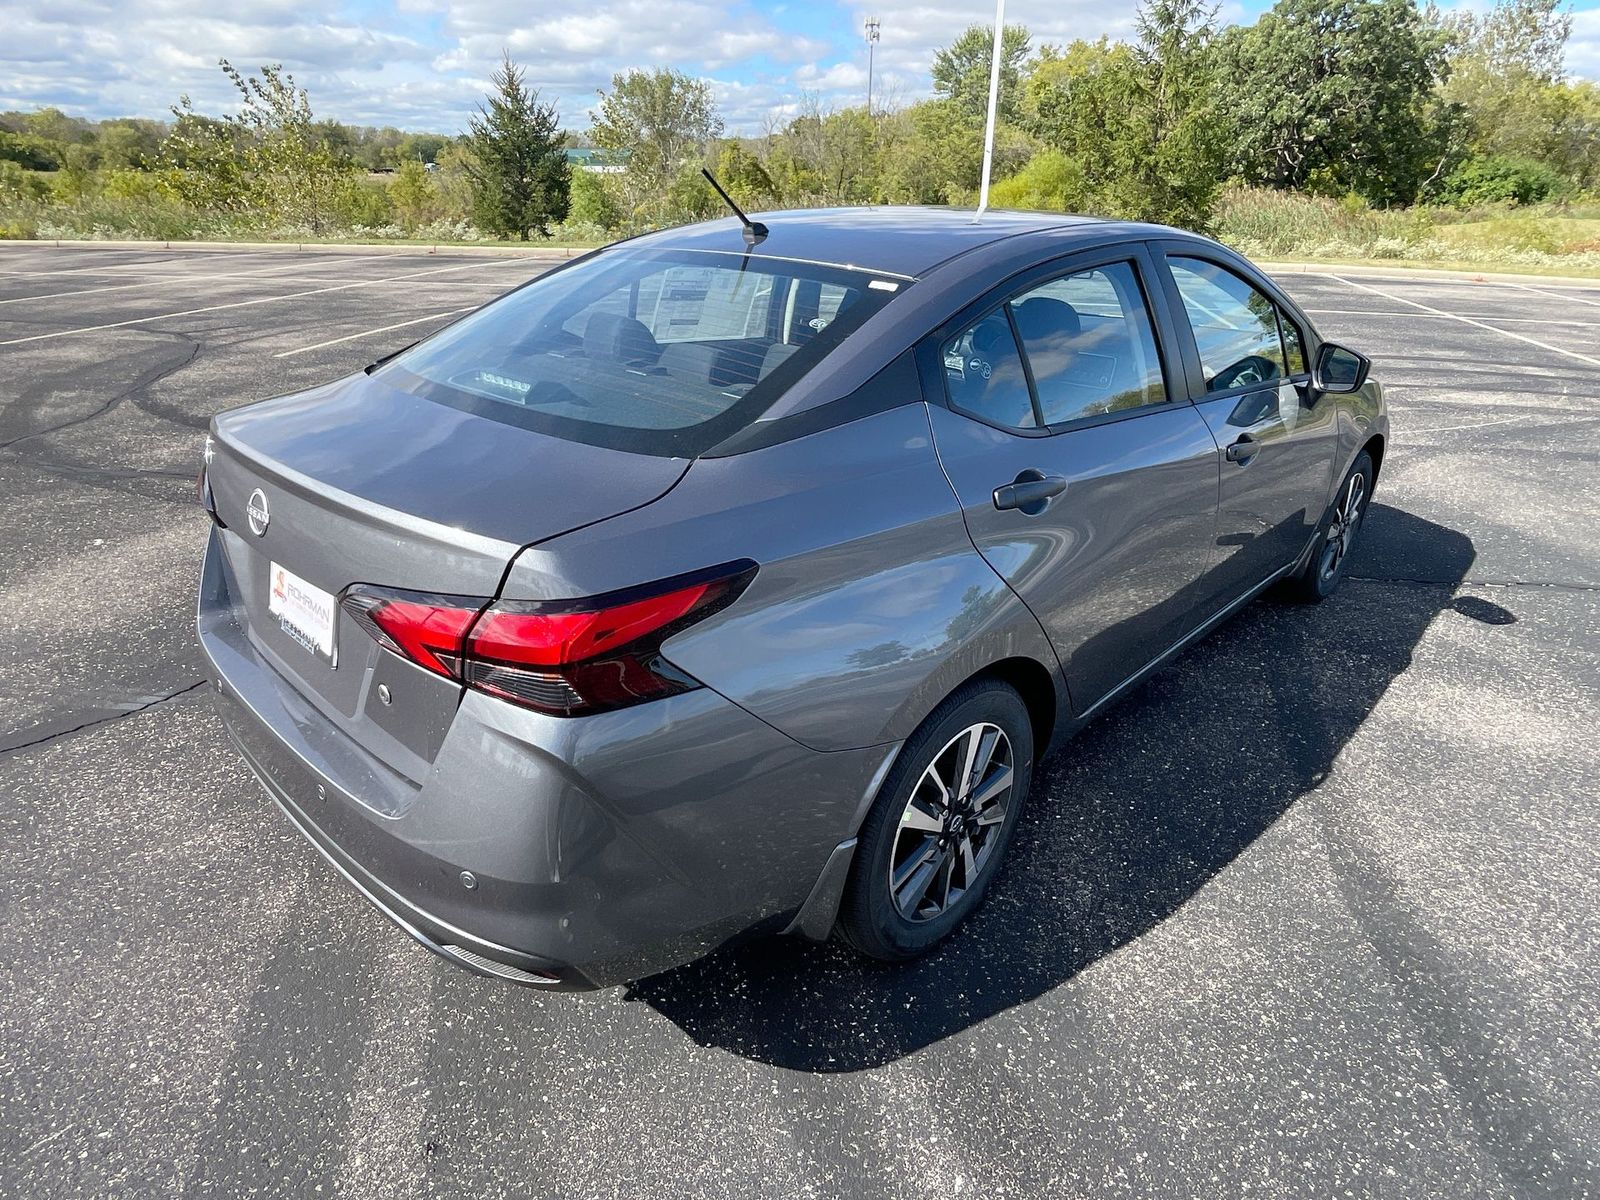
<point>256,512</point>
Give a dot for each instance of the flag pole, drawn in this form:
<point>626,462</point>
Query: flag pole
<point>994,93</point>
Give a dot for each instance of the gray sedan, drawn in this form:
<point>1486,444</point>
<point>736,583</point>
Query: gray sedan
<point>734,578</point>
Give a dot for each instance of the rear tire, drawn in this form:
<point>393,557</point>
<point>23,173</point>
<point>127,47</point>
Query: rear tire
<point>941,825</point>
<point>1336,537</point>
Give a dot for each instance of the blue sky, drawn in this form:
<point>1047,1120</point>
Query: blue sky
<point>423,66</point>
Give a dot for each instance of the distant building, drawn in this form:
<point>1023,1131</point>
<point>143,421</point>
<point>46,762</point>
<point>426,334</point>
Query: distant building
<point>589,158</point>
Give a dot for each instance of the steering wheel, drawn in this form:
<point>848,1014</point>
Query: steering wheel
<point>1252,368</point>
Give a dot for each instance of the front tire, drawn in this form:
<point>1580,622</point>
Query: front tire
<point>941,825</point>
<point>1336,536</point>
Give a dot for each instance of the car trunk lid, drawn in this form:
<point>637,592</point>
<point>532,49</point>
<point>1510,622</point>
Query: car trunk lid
<point>360,483</point>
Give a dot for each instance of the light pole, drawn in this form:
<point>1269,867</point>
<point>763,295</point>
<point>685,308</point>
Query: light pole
<point>994,93</point>
<point>872,42</point>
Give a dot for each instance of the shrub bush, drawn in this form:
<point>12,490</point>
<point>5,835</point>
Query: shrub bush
<point>1050,181</point>
<point>1499,179</point>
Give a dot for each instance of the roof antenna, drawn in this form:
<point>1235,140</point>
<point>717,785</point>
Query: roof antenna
<point>754,231</point>
<point>994,94</point>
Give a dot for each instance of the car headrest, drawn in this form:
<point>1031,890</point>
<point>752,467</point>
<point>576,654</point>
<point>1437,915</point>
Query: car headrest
<point>619,338</point>
<point>775,357</point>
<point>1045,319</point>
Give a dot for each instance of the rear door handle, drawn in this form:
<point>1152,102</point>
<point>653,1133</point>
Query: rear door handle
<point>1242,451</point>
<point>1030,492</point>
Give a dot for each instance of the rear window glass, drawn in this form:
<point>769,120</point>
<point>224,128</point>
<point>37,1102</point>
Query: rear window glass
<point>664,352</point>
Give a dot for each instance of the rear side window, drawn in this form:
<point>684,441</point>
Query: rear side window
<point>1088,341</point>
<point>1235,326</point>
<point>656,352</point>
<point>1078,346</point>
<point>985,375</point>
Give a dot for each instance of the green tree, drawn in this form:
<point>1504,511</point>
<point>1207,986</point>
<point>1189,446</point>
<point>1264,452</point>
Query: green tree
<point>655,122</point>
<point>1133,131</point>
<point>932,153</point>
<point>34,153</point>
<point>592,202</point>
<point>961,70</point>
<point>823,157</point>
<point>53,125</point>
<point>1077,100</point>
<point>413,195</point>
<point>76,179</point>
<point>423,147</point>
<point>518,165</point>
<point>1173,151</point>
<point>745,178</point>
<point>268,162</point>
<point>1506,70</point>
<point>1336,96</point>
<point>1579,151</point>
<point>128,142</point>
<point>203,161</point>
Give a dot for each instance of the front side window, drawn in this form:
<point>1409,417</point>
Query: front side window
<point>1235,326</point>
<point>1293,344</point>
<point>1088,340</point>
<point>657,352</point>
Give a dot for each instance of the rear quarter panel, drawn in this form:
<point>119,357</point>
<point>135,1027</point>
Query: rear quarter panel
<point>871,604</point>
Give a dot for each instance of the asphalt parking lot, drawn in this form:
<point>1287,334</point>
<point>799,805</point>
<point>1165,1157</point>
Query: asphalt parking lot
<point>1314,912</point>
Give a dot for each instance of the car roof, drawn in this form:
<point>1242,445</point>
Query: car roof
<point>902,240</point>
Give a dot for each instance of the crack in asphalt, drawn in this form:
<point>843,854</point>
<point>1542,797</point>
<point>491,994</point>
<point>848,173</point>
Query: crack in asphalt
<point>132,390</point>
<point>107,713</point>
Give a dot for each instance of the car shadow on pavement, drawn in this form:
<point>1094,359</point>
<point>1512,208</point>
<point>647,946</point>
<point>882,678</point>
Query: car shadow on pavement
<point>1126,822</point>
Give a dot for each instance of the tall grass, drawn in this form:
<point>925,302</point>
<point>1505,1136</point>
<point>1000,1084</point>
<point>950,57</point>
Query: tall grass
<point>1261,223</point>
<point>1286,225</point>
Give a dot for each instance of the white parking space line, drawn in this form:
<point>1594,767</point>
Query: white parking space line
<point>162,280</point>
<point>1442,316</point>
<point>1428,308</point>
<point>190,312</point>
<point>120,268</point>
<point>1553,295</point>
<point>350,337</point>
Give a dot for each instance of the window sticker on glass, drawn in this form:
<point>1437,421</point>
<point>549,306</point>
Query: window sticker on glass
<point>708,304</point>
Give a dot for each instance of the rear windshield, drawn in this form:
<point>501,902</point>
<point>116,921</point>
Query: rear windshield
<point>656,352</point>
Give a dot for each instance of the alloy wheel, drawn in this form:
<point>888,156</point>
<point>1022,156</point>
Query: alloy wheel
<point>950,828</point>
<point>1343,525</point>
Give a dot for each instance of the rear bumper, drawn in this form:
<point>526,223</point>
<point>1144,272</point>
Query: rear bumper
<point>279,773</point>
<point>600,849</point>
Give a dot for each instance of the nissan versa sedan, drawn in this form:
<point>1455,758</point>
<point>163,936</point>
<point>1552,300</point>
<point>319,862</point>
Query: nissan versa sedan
<point>735,578</point>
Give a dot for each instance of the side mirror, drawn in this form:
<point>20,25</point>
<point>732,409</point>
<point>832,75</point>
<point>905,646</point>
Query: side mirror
<point>1339,370</point>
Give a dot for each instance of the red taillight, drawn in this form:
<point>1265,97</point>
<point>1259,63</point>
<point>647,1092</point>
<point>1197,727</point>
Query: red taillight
<point>564,657</point>
<point>428,631</point>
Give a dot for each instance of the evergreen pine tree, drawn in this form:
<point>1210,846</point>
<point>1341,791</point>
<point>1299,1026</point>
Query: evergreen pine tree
<point>521,181</point>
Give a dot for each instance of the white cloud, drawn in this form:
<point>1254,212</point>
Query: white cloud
<point>425,66</point>
<point>1583,50</point>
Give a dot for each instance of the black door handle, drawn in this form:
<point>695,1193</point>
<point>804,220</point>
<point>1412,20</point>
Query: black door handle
<point>1030,492</point>
<point>1242,451</point>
